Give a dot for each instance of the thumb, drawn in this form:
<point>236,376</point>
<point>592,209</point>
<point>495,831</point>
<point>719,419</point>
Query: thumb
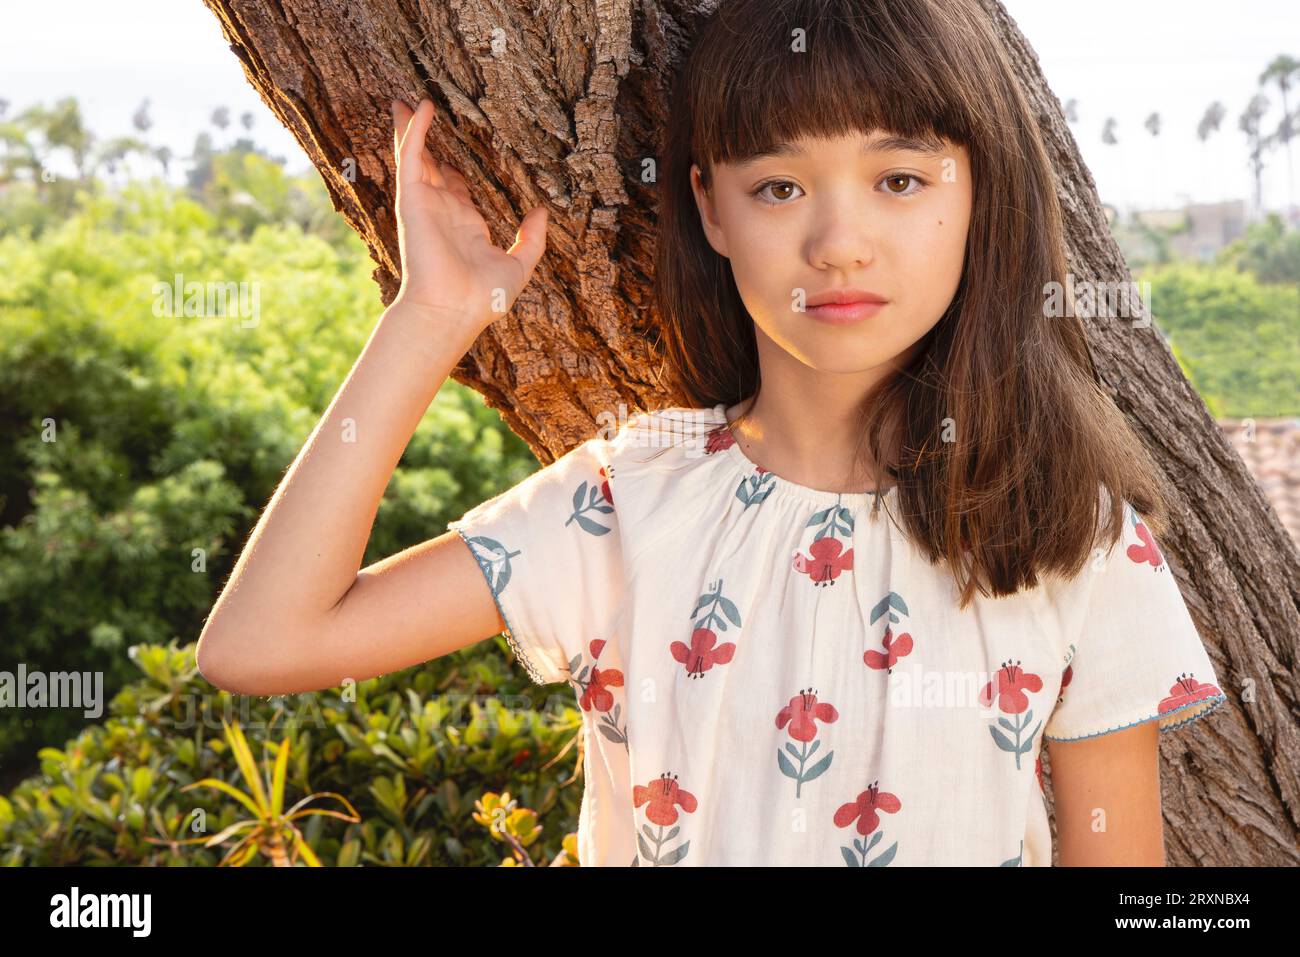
<point>530,241</point>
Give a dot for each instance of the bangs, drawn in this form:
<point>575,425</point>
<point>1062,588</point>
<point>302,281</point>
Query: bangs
<point>855,67</point>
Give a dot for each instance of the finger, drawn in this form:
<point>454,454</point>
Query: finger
<point>530,241</point>
<point>410,166</point>
<point>429,167</point>
<point>401,117</point>
<point>402,134</point>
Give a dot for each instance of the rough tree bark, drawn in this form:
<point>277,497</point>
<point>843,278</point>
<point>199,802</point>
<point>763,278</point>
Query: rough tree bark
<point>559,101</point>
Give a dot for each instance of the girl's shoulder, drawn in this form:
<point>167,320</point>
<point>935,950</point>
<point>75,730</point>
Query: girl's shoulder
<point>666,442</point>
<point>665,456</point>
<point>651,455</point>
<point>690,432</point>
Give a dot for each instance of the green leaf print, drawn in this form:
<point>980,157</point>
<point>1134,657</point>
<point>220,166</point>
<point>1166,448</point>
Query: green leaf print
<point>864,848</point>
<point>729,609</point>
<point>494,559</point>
<point>756,488</point>
<point>891,601</point>
<point>589,501</point>
<point>588,525</point>
<point>884,858</point>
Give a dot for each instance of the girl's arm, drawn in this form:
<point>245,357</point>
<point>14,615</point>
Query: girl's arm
<point>296,613</point>
<point>1107,793</point>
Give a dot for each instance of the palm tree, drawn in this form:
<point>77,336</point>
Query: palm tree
<point>1152,125</point>
<point>1282,70</point>
<point>141,119</point>
<point>1248,123</point>
<point>163,155</point>
<point>1210,122</point>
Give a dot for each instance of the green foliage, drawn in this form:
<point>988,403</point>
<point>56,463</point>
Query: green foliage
<point>1269,250</point>
<point>1236,338</point>
<point>246,189</point>
<point>142,444</point>
<point>417,753</point>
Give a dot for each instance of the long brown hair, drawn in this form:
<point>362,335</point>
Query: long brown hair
<point>1041,453</point>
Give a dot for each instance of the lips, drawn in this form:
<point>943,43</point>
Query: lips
<point>841,306</point>
<point>843,297</point>
<point>842,313</point>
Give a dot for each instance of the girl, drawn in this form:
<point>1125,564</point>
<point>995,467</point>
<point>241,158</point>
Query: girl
<point>890,536</point>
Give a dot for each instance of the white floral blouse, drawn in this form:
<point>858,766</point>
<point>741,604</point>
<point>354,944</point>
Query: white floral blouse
<point>771,674</point>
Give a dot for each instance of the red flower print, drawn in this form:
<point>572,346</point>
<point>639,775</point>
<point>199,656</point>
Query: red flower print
<point>895,648</point>
<point>865,809</point>
<point>664,796</point>
<point>606,472</point>
<point>826,562</point>
<point>596,694</point>
<point>827,556</point>
<point>803,710</point>
<point>1148,551</point>
<point>1012,683</point>
<point>801,715</point>
<point>1187,690</point>
<point>1066,675</point>
<point>719,439</point>
<point>760,470</point>
<point>702,655</point>
<point>713,610</point>
<point>1038,772</point>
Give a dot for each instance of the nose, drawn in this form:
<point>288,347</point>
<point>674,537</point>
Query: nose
<point>841,241</point>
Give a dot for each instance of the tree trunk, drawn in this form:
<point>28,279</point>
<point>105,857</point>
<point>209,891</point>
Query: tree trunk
<point>561,103</point>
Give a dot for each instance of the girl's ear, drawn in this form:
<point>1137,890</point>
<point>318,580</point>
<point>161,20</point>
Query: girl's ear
<point>708,214</point>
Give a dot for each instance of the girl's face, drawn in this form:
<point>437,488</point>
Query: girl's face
<point>870,214</point>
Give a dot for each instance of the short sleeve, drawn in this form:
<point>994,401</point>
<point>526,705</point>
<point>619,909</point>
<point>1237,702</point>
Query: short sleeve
<point>549,550</point>
<point>1138,656</point>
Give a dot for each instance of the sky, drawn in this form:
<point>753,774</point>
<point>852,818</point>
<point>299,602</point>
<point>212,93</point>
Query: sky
<point>1118,58</point>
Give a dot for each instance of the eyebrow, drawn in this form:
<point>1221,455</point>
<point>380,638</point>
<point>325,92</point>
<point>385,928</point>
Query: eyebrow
<point>881,144</point>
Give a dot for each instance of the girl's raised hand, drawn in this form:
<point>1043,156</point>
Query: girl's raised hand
<point>450,268</point>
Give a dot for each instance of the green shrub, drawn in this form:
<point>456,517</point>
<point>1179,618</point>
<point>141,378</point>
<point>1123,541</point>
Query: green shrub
<point>420,754</point>
<point>140,449</point>
<point>1238,339</point>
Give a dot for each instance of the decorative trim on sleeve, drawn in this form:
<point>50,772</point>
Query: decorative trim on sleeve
<point>1203,707</point>
<point>515,646</point>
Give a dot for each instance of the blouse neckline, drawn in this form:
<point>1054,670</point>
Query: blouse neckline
<point>820,497</point>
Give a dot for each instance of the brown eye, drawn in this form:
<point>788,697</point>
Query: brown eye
<point>908,180</point>
<point>772,185</point>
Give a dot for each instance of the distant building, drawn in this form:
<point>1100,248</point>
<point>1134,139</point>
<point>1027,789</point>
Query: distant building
<point>1205,227</point>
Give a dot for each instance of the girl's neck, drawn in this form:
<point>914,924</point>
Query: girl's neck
<point>807,450</point>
